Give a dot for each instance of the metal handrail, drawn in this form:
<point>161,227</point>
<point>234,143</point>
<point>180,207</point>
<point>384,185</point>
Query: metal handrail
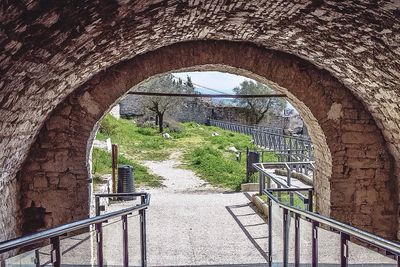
<point>346,231</point>
<point>375,240</point>
<point>263,129</point>
<point>70,227</point>
<point>272,139</point>
<point>282,163</point>
<point>279,183</point>
<point>278,164</point>
<point>284,135</point>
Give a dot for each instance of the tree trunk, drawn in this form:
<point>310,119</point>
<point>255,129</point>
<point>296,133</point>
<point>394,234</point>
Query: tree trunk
<point>259,118</point>
<point>161,122</point>
<point>156,119</point>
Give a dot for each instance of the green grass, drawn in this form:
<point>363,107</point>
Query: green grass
<point>102,165</point>
<point>218,167</point>
<point>215,167</point>
<point>203,153</point>
<point>141,143</point>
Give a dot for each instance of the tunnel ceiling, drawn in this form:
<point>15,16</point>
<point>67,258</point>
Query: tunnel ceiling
<point>49,48</point>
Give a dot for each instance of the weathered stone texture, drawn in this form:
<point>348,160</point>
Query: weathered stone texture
<point>197,111</point>
<point>50,48</point>
<point>353,180</point>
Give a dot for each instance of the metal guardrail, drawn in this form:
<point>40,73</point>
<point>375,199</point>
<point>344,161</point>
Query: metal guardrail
<point>55,233</point>
<point>289,148</point>
<point>287,185</point>
<point>346,232</point>
<point>243,128</point>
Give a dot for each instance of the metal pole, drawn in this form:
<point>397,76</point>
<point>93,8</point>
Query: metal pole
<point>344,250</point>
<point>285,238</point>
<point>55,251</point>
<point>37,258</point>
<point>297,240</point>
<point>279,193</point>
<point>143,249</point>
<point>261,182</point>
<point>97,205</point>
<point>269,232</point>
<point>247,165</point>
<point>125,240</point>
<point>99,242</point>
<point>314,244</point>
<point>310,200</point>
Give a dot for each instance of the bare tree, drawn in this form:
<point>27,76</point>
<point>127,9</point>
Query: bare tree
<point>159,105</point>
<point>258,108</point>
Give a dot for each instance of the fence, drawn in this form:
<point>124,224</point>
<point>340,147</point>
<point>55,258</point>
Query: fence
<point>339,241</point>
<point>57,235</point>
<point>289,148</point>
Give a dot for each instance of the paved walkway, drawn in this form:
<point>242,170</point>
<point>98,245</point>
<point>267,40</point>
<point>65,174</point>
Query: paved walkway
<point>192,223</point>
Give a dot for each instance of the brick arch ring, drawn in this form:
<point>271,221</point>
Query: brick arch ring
<point>354,179</point>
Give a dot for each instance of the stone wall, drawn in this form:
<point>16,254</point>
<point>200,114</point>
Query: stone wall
<point>354,179</point>
<point>53,183</point>
<point>50,48</point>
<point>198,111</point>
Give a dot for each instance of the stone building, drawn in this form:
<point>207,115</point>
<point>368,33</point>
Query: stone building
<point>198,110</point>
<point>64,64</point>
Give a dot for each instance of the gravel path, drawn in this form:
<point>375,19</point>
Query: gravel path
<point>193,223</point>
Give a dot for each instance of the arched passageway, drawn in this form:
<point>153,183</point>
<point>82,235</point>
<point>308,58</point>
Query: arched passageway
<point>354,181</point>
<point>49,49</point>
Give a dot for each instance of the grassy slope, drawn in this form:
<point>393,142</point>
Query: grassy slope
<point>102,165</point>
<point>205,154</point>
<point>209,157</point>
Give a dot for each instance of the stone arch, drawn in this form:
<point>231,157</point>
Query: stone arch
<point>355,181</point>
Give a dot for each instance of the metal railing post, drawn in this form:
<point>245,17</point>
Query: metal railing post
<point>37,258</point>
<point>55,251</point>
<point>296,240</point>
<point>125,240</point>
<point>285,238</point>
<point>314,243</point>
<point>261,183</point>
<point>97,205</point>
<point>143,248</point>
<point>344,250</point>
<point>310,200</point>
<point>99,242</point>
<point>269,232</point>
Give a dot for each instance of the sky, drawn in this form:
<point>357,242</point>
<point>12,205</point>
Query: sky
<point>221,81</point>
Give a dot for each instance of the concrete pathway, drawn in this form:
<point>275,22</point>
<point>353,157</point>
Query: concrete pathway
<point>192,223</point>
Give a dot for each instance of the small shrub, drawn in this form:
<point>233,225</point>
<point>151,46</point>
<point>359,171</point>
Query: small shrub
<point>108,125</point>
<point>101,162</point>
<point>173,126</point>
<point>146,131</point>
